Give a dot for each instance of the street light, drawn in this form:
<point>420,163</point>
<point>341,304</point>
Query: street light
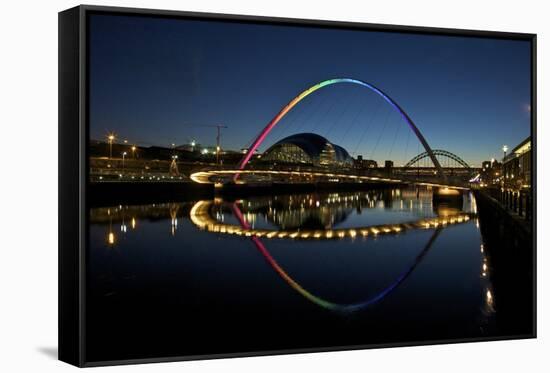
<point>123,157</point>
<point>504,149</point>
<point>111,138</point>
<point>134,151</point>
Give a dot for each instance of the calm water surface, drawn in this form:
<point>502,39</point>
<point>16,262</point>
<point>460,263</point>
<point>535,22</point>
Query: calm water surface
<point>353,268</point>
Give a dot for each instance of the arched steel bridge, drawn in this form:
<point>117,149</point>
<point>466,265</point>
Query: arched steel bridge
<point>263,134</point>
<point>440,153</point>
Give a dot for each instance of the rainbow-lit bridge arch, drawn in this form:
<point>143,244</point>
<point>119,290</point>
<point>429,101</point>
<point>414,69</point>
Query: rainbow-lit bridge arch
<point>261,137</point>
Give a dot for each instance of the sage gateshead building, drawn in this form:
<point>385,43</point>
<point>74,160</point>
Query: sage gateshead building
<point>307,149</point>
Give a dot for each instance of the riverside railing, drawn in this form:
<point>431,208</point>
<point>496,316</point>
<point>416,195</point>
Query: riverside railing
<point>519,202</point>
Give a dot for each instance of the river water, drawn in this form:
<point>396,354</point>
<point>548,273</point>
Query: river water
<point>320,270</point>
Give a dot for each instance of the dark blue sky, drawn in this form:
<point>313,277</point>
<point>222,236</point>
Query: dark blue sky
<point>154,80</point>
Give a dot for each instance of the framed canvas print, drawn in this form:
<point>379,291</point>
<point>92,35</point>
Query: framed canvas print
<point>239,186</point>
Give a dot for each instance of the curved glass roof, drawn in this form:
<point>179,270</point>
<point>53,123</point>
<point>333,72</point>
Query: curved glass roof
<point>313,145</point>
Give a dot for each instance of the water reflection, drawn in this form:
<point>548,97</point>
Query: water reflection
<point>489,302</point>
<point>345,308</point>
<point>334,215</point>
<point>307,216</point>
<point>201,216</point>
<point>318,217</point>
<point>174,208</point>
<point>398,263</point>
<point>111,238</point>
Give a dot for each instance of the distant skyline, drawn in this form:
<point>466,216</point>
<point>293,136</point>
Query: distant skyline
<point>156,81</point>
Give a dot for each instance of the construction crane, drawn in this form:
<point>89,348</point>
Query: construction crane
<point>218,137</point>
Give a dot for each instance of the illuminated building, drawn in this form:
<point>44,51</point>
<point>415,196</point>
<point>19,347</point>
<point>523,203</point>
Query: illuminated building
<point>307,149</point>
<point>491,173</point>
<point>516,166</point>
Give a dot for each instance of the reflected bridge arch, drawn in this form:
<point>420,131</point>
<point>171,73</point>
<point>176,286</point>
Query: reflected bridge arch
<point>337,307</point>
<point>200,216</point>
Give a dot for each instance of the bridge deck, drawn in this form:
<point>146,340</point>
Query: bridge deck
<point>226,176</point>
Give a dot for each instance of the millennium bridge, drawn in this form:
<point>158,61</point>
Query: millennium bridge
<point>434,167</point>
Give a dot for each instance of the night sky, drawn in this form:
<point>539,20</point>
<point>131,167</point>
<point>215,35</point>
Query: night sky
<point>154,81</point>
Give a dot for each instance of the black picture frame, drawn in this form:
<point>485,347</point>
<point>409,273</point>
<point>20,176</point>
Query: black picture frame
<point>73,168</point>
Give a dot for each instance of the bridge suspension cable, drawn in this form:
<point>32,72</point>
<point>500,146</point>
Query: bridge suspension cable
<point>302,95</point>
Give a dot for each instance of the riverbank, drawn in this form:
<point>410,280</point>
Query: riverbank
<point>115,193</point>
<point>511,261</point>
